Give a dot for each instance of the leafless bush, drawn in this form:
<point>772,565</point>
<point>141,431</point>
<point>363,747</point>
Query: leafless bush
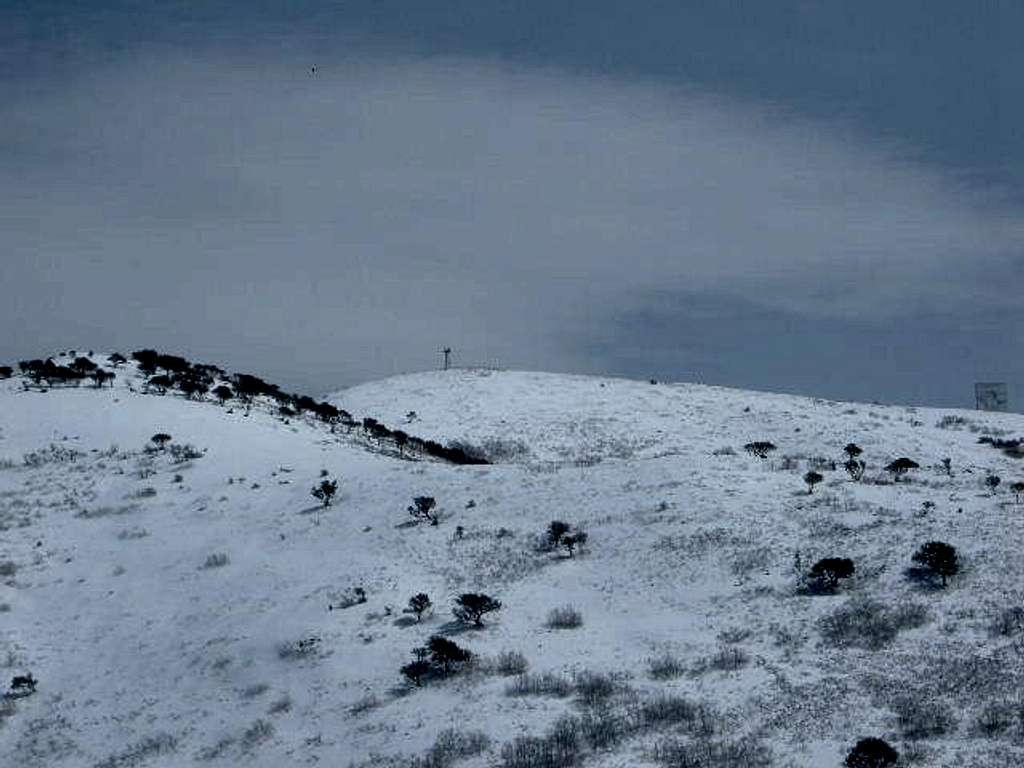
<point>918,718</point>
<point>952,422</point>
<point>665,710</point>
<point>750,560</point>
<point>735,635</point>
<point>509,663</point>
<point>665,667</point>
<point>216,560</point>
<point>161,744</point>
<point>1009,622</point>
<point>283,704</point>
<point>299,649</point>
<point>498,449</point>
<point>708,753</point>
<point>788,463</point>
<point>603,726</point>
<point>592,688</point>
<point>253,691</point>
<point>367,703</point>
<point>565,617</point>
<point>998,717</point>
<point>865,623</point>
<point>547,684</point>
<point>183,452</point>
<point>451,746</point>
<point>725,450</point>
<point>97,512</point>
<point>217,750</point>
<point>560,748</point>
<point>134,533</point>
<point>255,734</point>
<point>52,454</point>
<point>725,659</point>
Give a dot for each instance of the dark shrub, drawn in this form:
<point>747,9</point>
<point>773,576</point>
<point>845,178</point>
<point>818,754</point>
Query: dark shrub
<point>416,670</point>
<point>939,558</point>
<point>760,448</point>
<point>561,534</point>
<point>900,467</point>
<point>401,439</point>
<point>191,387</point>
<point>574,540</point>
<point>223,393</point>
<point>326,412</point>
<point>444,653</point>
<point>160,383</point>
<point>173,363</point>
<point>146,358</point>
<point>992,481</point>
<point>419,604</point>
<point>325,491</point>
<point>812,478</point>
<point>160,439</point>
<point>871,753</point>
<point>423,508</point>
<point>826,573</point>
<point>852,450</point>
<point>99,377</point>
<point>556,530</point>
<point>1018,490</point>
<point>82,365</point>
<point>471,607</point>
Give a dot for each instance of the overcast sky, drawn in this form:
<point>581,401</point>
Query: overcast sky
<point>813,196</point>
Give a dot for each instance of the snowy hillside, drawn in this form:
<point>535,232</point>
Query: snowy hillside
<point>184,611</point>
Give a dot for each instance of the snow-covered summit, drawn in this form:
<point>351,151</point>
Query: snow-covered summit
<point>198,606</point>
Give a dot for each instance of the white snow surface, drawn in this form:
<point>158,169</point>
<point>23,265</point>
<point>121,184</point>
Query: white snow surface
<point>146,656</point>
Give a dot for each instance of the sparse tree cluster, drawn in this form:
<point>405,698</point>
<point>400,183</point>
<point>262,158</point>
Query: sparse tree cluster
<point>74,373</point>
<point>439,657</point>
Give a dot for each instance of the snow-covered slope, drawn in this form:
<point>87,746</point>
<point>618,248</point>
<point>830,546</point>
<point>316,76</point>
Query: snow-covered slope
<point>161,605</point>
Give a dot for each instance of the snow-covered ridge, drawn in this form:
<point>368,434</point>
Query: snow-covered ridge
<point>166,608</point>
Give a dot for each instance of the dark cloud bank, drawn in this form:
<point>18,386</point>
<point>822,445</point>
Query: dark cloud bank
<point>213,196</point>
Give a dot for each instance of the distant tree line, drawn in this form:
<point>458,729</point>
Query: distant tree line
<point>166,372</point>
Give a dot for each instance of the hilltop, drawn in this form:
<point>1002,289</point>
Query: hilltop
<point>193,604</point>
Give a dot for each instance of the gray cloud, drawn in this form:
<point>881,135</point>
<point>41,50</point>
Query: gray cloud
<point>333,227</point>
